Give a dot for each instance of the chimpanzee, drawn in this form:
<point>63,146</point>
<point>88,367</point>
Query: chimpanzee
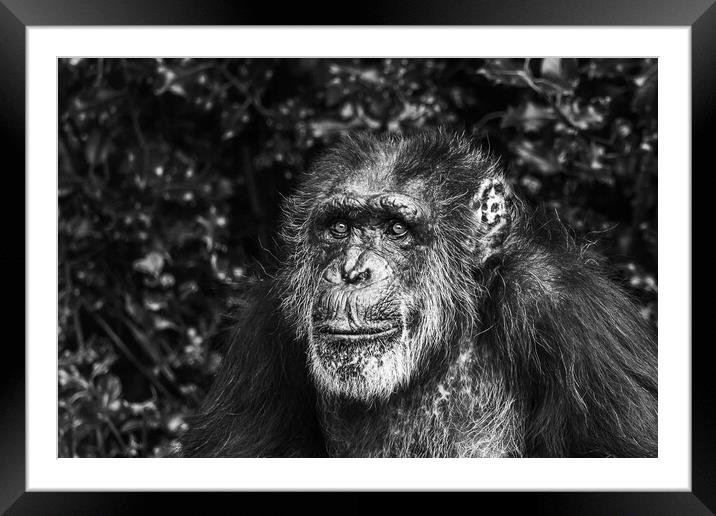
<point>422,310</point>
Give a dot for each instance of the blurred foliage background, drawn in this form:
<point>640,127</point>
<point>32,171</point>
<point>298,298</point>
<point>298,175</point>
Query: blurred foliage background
<point>171,174</point>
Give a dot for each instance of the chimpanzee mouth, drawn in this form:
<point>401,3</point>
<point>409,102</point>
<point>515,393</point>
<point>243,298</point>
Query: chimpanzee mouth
<point>359,333</point>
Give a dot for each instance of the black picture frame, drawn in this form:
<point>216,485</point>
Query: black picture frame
<point>17,15</point>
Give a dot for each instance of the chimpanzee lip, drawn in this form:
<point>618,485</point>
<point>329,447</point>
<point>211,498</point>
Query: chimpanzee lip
<point>360,333</point>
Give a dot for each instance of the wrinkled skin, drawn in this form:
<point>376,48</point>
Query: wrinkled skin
<point>360,339</point>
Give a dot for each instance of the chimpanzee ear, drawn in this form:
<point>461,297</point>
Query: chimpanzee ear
<point>491,210</point>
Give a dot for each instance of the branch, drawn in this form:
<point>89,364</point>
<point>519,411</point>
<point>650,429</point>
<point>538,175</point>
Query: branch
<point>133,110</point>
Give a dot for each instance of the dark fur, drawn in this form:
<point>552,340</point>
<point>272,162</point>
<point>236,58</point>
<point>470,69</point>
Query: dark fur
<point>542,354</point>
<point>261,402</point>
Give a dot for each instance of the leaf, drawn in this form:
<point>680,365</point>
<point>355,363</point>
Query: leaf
<point>161,323</point>
<point>166,77</point>
<point>175,424</point>
<point>177,89</point>
<point>528,117</point>
<point>231,118</point>
<point>584,116</point>
<point>334,92</point>
<point>509,72</point>
<point>95,97</point>
<point>645,99</point>
<point>327,127</point>
<point>102,367</point>
<point>371,75</point>
<point>154,301</point>
<point>536,157</point>
<point>561,73</point>
<point>92,148</point>
<point>151,264</point>
<point>111,389</point>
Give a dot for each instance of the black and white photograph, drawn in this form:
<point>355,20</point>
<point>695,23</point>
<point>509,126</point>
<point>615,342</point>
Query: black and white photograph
<point>358,257</point>
<point>427,249</point>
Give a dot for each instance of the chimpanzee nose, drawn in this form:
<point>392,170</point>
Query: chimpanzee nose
<point>359,267</point>
<point>356,267</point>
<point>357,276</point>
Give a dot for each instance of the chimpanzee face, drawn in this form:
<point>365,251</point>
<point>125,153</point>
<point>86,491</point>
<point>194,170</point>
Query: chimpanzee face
<point>383,237</point>
<point>362,318</point>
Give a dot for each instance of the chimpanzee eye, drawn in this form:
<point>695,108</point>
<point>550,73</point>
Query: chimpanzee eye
<point>398,228</point>
<point>339,228</point>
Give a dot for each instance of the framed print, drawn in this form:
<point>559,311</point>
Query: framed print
<point>392,257</point>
